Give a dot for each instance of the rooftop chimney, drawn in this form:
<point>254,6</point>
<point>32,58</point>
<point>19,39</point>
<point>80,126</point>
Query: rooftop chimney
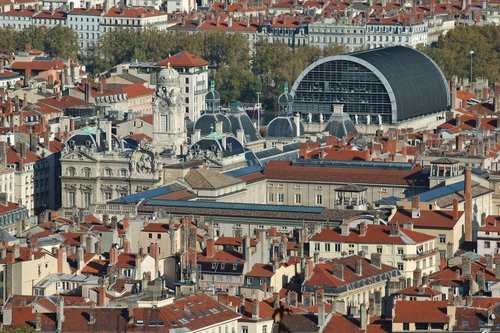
<point>415,207</point>
<point>359,267</point>
<point>255,309</point>
<point>376,260</point>
<point>363,228</point>
<point>80,259</point>
<point>468,204</point>
<point>466,267</point>
<point>417,277</point>
<point>338,270</point>
<point>210,248</point>
<point>455,209</point>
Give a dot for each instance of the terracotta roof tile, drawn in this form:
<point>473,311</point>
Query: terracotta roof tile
<point>428,311</point>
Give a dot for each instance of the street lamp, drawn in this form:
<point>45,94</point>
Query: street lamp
<point>471,54</point>
<point>258,111</point>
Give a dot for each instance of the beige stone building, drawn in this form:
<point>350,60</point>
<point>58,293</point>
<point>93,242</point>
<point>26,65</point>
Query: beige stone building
<point>94,171</point>
<point>406,249</point>
<point>321,183</point>
<point>336,281</point>
<point>21,268</point>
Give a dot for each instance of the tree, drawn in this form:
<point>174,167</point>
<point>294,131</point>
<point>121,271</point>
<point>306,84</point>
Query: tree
<point>61,42</point>
<point>452,52</point>
<point>8,41</point>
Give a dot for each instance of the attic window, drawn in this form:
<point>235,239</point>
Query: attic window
<point>139,322</point>
<point>464,323</point>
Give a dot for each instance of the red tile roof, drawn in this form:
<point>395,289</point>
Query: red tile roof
<point>37,65</point>
<point>492,224</point>
<point>129,12</point>
<point>419,291</point>
<point>234,241</point>
<point>156,227</point>
<point>284,170</point>
<point>220,313</point>
<point>13,157</point>
<point>66,101</point>
<point>442,219</point>
<point>261,270</point>
<point>84,11</point>
<point>428,312</point>
<point>147,118</point>
<point>322,274</point>
<point>223,256</point>
<point>183,59</point>
<point>375,234</point>
<point>137,90</point>
<point>11,206</point>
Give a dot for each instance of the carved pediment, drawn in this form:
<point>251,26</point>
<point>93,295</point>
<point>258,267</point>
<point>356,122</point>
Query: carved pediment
<point>77,155</point>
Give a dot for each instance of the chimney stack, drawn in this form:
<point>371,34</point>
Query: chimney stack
<point>321,309</point>
<point>255,309</point>
<point>466,267</point>
<point>210,248</point>
<point>417,277</point>
<point>376,260</point>
<point>363,316</point>
<point>338,270</point>
<point>80,259</point>
<point>359,267</point>
<point>363,228</point>
<point>455,209</point>
<point>468,204</point>
<point>415,207</point>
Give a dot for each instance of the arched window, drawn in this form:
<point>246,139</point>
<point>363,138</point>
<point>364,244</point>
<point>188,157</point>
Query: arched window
<point>87,173</point>
<point>71,172</point>
<point>123,172</point>
<point>108,172</point>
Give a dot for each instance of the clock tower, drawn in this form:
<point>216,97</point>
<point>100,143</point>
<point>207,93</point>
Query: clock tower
<point>169,128</point>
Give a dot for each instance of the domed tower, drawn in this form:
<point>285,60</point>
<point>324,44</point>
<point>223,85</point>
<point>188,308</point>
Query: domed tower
<point>285,101</point>
<point>212,120</point>
<point>212,99</point>
<point>286,125</point>
<point>169,128</point>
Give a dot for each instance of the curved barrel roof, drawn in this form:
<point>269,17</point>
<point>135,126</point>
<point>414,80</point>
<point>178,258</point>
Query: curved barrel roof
<point>415,84</point>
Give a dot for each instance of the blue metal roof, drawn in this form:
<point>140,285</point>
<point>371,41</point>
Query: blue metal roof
<point>235,206</point>
<point>244,171</point>
<point>439,192</point>
<point>388,201</point>
<point>353,164</point>
<point>136,197</point>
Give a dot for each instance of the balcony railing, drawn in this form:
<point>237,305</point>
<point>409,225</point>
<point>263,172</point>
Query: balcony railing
<point>419,255</point>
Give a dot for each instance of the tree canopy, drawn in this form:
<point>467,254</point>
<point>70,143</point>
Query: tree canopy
<point>452,52</point>
<point>57,41</point>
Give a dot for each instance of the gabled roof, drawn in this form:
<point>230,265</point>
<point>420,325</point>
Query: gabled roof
<point>183,59</point>
<point>323,277</point>
<point>442,219</point>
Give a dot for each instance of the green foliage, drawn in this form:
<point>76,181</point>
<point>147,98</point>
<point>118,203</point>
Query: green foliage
<point>57,41</point>
<point>276,64</point>
<point>452,52</point>
<point>238,73</point>
<point>26,329</point>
